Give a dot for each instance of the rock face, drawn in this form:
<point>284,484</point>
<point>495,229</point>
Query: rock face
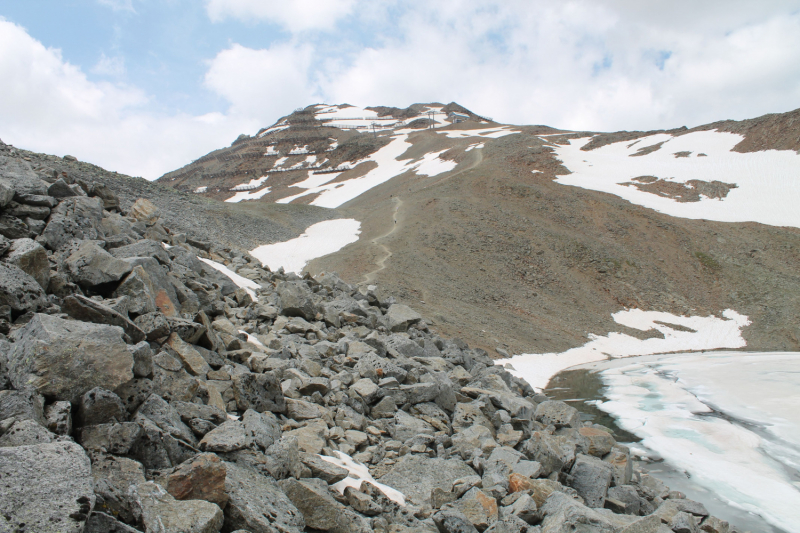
<point>47,487</point>
<point>311,406</point>
<point>62,359</point>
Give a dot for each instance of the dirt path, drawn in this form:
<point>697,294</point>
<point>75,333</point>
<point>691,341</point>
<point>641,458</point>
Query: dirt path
<point>381,264</point>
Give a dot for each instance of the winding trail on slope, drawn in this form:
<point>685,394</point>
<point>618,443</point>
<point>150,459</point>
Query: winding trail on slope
<point>381,264</point>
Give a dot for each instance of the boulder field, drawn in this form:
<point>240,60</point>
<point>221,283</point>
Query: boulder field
<point>142,390</point>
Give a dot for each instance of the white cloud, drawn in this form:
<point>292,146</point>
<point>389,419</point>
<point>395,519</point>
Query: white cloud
<point>109,66</point>
<point>295,15</point>
<point>49,105</point>
<point>118,5</point>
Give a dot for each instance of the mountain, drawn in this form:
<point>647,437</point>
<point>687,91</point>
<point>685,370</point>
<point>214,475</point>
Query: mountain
<point>527,239</point>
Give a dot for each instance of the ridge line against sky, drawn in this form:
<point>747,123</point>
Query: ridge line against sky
<point>145,86</point>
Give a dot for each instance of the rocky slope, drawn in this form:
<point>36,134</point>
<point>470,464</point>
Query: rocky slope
<point>141,389</point>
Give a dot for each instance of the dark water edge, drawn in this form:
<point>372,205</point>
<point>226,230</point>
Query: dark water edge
<point>578,386</point>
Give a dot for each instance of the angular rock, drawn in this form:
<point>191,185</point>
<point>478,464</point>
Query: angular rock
<point>565,515</point>
<point>63,359</point>
<point>558,414</point>
<point>365,388</point>
<point>553,452</point>
<point>311,438</point>
<point>30,257</point>
<point>407,426</point>
<point>372,366</point>
<point>479,507</point>
<point>595,442</point>
<point>44,485</point>
<point>162,512</point>
<point>18,175</point>
<point>19,291</point>
<point>103,523</point>
<point>257,504</point>
<point>154,325</point>
<point>100,406</point>
<point>452,520</point>
<point>90,266</point>
<point>320,510</point>
<point>400,316</point>
<point>647,524</point>
<point>142,359</point>
<point>25,433</point>
<point>192,360</point>
<point>189,411</point>
<point>684,523</point>
<point>113,479</point>
<point>475,437</point>
<point>23,404</point>
<point>261,392</point>
<point>591,477</point>
<point>114,438</point>
<point>14,228</point>
<point>362,502</point>
<point>200,478</point>
<point>322,469</point>
<point>296,300</point>
<point>165,417</point>
<point>143,210</point>
<point>261,429</point>
<point>156,449</point>
<point>74,218</point>
<point>411,475</point>
<point>58,417</point>
<point>6,192</point>
<point>227,437</point>
<point>88,310</point>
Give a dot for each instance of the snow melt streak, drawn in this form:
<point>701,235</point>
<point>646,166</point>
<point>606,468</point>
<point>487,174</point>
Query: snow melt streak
<point>320,239</point>
<point>708,333</point>
<point>768,182</point>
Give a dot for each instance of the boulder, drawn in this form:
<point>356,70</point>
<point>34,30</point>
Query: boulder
<point>58,418</point>
<point>88,310</point>
<point>257,504</point>
<point>6,191</point>
<point>90,266</point>
<point>591,477</point>
<point>114,477</point>
<point>103,523</point>
<point>154,325</point>
<point>452,520</point>
<point>320,510</point>
<point>73,218</point>
<point>412,475</point>
<point>406,426</point>
<point>192,360</point>
<point>43,485</point>
<point>262,430</point>
<point>14,228</point>
<point>18,176</point>
<point>322,469</point>
<point>25,433</point>
<point>100,406</point>
<point>296,300</point>
<point>19,290</point>
<point>553,452</point>
<point>116,438</point>
<point>24,404</point>
<point>63,359</point>
<point>143,248</point>
<point>227,437</point>
<point>143,210</point>
<point>162,512</point>
<point>200,478</point>
<point>165,417</point>
<point>594,441</point>
<point>261,392</point>
<point>30,257</point>
<point>400,316</point>
<point>479,507</point>
<point>558,414</point>
<point>563,514</point>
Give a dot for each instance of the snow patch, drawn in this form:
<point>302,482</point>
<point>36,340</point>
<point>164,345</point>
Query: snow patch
<point>489,133</point>
<point>432,165</point>
<point>198,190</point>
<point>247,195</point>
<point>708,333</point>
<point>320,239</point>
<point>247,284</point>
<point>359,473</point>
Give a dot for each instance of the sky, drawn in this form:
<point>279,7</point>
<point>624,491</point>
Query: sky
<point>145,86</point>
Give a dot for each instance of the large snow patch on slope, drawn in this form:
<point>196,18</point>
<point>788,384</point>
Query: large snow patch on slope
<point>320,239</point>
<point>768,182</point>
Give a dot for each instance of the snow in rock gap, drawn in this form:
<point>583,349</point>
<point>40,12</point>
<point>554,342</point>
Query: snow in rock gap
<point>359,473</point>
<point>247,284</point>
<point>672,402</point>
<point>489,133</point>
<point>279,162</point>
<point>709,333</point>
<point>248,195</point>
<point>198,190</point>
<point>271,150</point>
<point>768,182</point>
<point>320,239</point>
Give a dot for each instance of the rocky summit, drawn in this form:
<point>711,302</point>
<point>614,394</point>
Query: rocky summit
<point>143,389</point>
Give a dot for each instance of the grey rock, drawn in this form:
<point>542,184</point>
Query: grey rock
<point>100,406</point>
<point>525,508</point>
<point>25,433</point>
<point>162,512</point>
<point>452,520</point>
<point>113,479</point>
<point>140,290</point>
<point>261,392</point>
<point>262,430</point>
<point>647,524</point>
<point>420,392</point>
<point>116,438</point>
<point>88,310</point>
<point>558,414</point>
<point>365,388</point>
<point>30,257</point>
<point>45,484</point>
<point>27,211</point>
<point>372,366</point>
<point>189,411</point>
<point>103,523</point>
<point>562,514</point>
<point>257,504</point>
<point>554,453</point>
<point>684,523</point>
<point>406,426</point>
<point>512,524</point>
<point>90,266</point>
<point>143,248</point>
<point>173,385</point>
<point>142,359</point>
<point>627,496</point>
<point>154,325</point>
<point>311,438</point>
<point>58,417</point>
<point>73,218</point>
<point>479,507</point>
<point>14,228</point>
<point>417,475</point>
<point>63,359</point>
<point>165,417</point>
<point>19,176</point>
<point>6,192</point>
<point>296,300</point>
<point>320,510</point>
<point>400,316</point>
<point>158,450</point>
<point>192,360</point>
<point>362,502</point>
<point>25,404</point>
<point>322,469</point>
<point>188,330</point>
<point>61,189</point>
<point>591,477</point>
<point>227,437</point>
<point>475,437</point>
<point>19,290</point>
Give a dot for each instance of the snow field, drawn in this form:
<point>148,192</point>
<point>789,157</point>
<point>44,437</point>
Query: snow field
<point>708,333</point>
<point>320,239</point>
<point>768,182</point>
